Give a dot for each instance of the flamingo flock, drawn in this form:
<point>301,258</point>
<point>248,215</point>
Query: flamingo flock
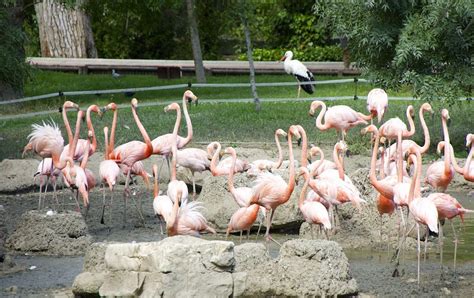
<point>326,184</point>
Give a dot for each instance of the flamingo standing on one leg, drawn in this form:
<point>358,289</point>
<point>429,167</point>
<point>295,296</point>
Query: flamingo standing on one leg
<point>299,71</point>
<point>108,172</point>
<point>162,144</point>
<point>377,103</point>
<point>271,191</point>
<point>440,173</point>
<point>162,204</point>
<point>129,153</point>
<point>342,118</point>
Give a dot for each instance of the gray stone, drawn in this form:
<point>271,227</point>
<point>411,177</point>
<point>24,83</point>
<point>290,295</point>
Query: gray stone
<point>250,255</point>
<point>88,283</point>
<point>17,175</point>
<point>59,234</point>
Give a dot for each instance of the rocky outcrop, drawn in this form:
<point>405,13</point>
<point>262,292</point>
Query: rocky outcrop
<point>62,234</point>
<point>17,175</point>
<point>193,267</point>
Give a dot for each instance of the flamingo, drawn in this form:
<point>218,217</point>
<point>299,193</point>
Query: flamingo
<point>225,165</point>
<point>468,170</point>
<point>448,208</point>
<point>440,173</point>
<point>162,204</point>
<point>342,118</point>
<point>422,209</point>
<point>129,153</point>
<point>257,166</point>
<point>313,212</point>
<point>377,103</point>
<point>299,71</point>
<point>175,185</point>
<point>194,159</point>
<point>325,165</point>
<point>187,219</point>
<point>271,191</point>
<point>46,169</point>
<point>108,172</point>
<point>243,219</point>
<point>162,144</point>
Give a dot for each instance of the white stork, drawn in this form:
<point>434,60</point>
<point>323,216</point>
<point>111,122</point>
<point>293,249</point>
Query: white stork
<point>301,73</point>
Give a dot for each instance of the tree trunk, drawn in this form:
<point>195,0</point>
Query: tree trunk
<point>196,44</point>
<point>64,31</point>
<point>248,42</point>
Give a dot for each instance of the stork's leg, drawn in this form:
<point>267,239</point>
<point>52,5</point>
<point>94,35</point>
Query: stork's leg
<point>455,244</point>
<point>299,90</point>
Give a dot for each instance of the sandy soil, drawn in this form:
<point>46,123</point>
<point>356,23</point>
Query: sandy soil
<point>53,276</point>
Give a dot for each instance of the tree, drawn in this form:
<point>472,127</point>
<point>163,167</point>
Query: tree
<point>425,44</point>
<point>195,42</point>
<point>14,70</point>
<point>64,30</point>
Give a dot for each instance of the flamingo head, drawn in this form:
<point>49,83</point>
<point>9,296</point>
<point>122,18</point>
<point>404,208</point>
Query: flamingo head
<point>95,109</point>
<point>445,115</point>
<point>172,106</point>
<point>68,105</point>
<point>281,132</point>
<point>134,102</point>
<point>314,105</point>
<point>440,147</point>
<point>371,128</point>
<point>212,147</point>
<point>111,106</point>
<point>469,140</point>
<point>190,97</point>
<point>411,111</point>
<point>229,150</point>
<point>293,130</point>
<point>288,55</point>
<point>341,146</point>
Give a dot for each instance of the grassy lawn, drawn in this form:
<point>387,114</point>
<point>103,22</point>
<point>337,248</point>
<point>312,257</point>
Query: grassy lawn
<point>221,121</point>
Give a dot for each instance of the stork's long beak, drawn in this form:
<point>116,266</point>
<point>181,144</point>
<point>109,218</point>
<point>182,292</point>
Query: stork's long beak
<point>282,59</point>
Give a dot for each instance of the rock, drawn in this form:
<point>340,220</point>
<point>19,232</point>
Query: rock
<point>60,234</point>
<point>220,204</point>
<point>191,267</point>
<point>17,175</point>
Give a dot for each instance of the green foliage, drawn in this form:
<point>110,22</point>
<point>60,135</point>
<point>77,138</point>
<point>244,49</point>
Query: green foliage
<point>326,53</point>
<point>426,44</point>
<point>13,70</point>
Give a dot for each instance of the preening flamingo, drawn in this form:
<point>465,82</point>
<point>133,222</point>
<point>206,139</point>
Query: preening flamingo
<point>341,118</point>
<point>260,165</point>
<point>162,204</point>
<point>377,103</point>
<point>162,144</point>
<point>243,220</point>
<point>440,173</point>
<point>194,159</point>
<point>187,219</point>
<point>225,165</point>
<point>108,173</point>
<point>422,209</point>
<point>271,191</point>
<point>313,212</point>
<point>299,71</point>
<point>175,185</point>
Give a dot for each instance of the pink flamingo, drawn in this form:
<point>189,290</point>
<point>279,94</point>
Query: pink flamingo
<point>162,144</point>
<point>46,169</point>
<point>468,170</point>
<point>342,118</point>
<point>257,166</point>
<point>325,165</point>
<point>194,159</point>
<point>299,71</point>
<point>243,219</point>
<point>422,209</point>
<point>315,168</point>
<point>313,212</point>
<point>175,185</point>
<point>129,153</point>
<point>271,191</point>
<point>187,219</point>
<point>162,204</point>
<point>225,165</point>
<point>377,103</point>
<point>440,173</point>
<point>108,172</point>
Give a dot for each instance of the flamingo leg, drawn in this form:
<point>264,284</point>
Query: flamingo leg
<point>125,191</point>
<point>312,231</point>
<point>240,241</point>
<point>194,186</point>
<point>102,186</point>
<point>111,204</point>
<point>40,191</point>
<point>55,195</point>
<point>248,234</point>
<point>455,244</point>
<point>259,227</point>
<point>441,244</point>
<point>418,251</point>
<point>426,244</point>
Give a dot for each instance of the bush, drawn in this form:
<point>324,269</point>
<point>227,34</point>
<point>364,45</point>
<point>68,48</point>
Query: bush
<point>326,53</point>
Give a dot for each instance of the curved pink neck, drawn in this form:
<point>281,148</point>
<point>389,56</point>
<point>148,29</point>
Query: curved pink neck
<point>291,179</point>
<point>156,187</point>
<point>93,145</point>
<point>73,145</point>
<point>426,132</point>
<point>230,181</point>
<point>86,154</point>
<point>67,125</point>
<point>112,133</point>
<point>177,123</point>
<point>149,148</point>
<point>415,181</point>
<point>318,163</point>
<point>381,188</point>
<point>214,160</point>
<point>189,125</point>
<point>319,119</point>
<point>447,147</point>
<point>106,143</point>
<point>457,168</point>
<point>467,175</point>
<point>337,161</point>
<point>411,124</point>
<point>399,158</point>
<point>280,153</point>
<point>303,190</point>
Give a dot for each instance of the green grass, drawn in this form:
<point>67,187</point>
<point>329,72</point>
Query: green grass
<point>224,122</point>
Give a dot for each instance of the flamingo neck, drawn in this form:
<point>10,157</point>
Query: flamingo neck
<point>73,145</point>
<point>280,153</point>
<point>149,148</point>
<point>303,190</point>
<point>214,159</point>
<point>382,163</point>
<point>318,164</point>
<point>467,166</point>
<point>319,119</point>
<point>337,161</point>
<point>382,189</point>
<point>67,125</point>
<point>106,144</point>
<point>399,158</point>
<point>426,132</point>
<point>415,180</point>
<point>177,124</point>
<point>170,224</point>
<point>304,149</point>
<point>112,133</point>
<point>291,179</point>
<point>86,154</point>
<point>447,145</point>
<point>189,125</point>
<point>230,182</point>
<point>156,189</point>
<point>93,145</point>
<point>411,124</point>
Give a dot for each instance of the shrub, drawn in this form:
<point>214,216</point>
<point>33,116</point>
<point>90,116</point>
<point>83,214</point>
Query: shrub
<point>317,53</point>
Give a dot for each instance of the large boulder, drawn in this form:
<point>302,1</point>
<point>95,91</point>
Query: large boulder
<point>193,267</point>
<point>62,234</point>
<point>17,175</point>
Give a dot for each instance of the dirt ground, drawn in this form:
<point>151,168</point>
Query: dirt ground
<point>53,276</point>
